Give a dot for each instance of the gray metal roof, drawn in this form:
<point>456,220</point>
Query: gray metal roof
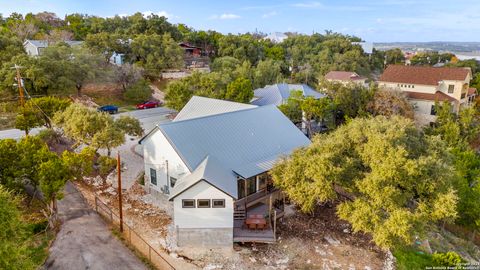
<point>45,43</point>
<point>247,142</point>
<point>212,171</point>
<point>277,94</point>
<point>202,106</point>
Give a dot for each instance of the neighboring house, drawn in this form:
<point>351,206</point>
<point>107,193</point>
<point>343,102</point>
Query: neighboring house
<point>117,59</point>
<point>278,94</point>
<point>276,37</point>
<point>345,77</point>
<point>425,85</point>
<point>35,47</point>
<point>366,46</point>
<point>191,50</point>
<point>212,161</point>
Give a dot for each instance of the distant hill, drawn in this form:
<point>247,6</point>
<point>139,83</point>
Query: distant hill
<point>441,46</point>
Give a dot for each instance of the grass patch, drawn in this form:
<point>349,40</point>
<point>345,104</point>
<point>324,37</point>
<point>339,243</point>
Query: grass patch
<point>410,258</point>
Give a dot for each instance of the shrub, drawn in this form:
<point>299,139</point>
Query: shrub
<point>447,259</point>
<point>106,165</point>
<point>48,136</point>
<point>138,92</point>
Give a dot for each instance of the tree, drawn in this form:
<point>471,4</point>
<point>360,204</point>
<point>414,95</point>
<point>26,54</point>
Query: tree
<point>42,110</point>
<point>398,180</point>
<point>177,94</point>
<point>127,74</point>
<point>80,164</point>
<point>12,232</point>
<point>9,162</point>
<point>81,123</point>
<point>53,174</point>
<point>293,107</point>
<point>97,129</point>
<point>321,109</point>
<point>267,72</point>
<point>27,118</point>
<point>240,90</point>
<point>389,103</point>
<point>138,92</point>
<point>129,125</point>
<point>155,53</point>
<point>351,100</point>
<point>85,66</point>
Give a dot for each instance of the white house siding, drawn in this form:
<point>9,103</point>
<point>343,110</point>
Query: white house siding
<point>423,109</point>
<point>30,49</point>
<point>203,226</point>
<point>159,154</point>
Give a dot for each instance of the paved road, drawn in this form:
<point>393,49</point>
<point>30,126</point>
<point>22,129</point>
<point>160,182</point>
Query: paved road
<point>16,133</point>
<point>149,118</point>
<point>84,241</point>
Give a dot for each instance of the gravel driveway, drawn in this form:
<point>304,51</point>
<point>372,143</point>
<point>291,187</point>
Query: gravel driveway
<point>84,241</point>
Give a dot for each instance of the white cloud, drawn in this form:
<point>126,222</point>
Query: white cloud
<point>159,13</point>
<point>308,5</point>
<point>269,14</point>
<point>225,16</point>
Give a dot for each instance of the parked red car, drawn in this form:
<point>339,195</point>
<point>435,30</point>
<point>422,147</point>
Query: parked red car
<point>148,105</point>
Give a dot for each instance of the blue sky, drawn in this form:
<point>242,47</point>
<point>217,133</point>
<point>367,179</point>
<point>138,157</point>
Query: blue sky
<point>372,20</point>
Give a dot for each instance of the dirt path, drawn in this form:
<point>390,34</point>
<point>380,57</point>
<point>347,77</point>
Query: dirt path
<point>84,241</point>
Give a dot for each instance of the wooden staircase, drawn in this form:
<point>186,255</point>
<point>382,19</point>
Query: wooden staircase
<point>239,214</point>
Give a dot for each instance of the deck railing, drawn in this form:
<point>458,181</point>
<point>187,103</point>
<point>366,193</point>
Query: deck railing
<point>255,197</point>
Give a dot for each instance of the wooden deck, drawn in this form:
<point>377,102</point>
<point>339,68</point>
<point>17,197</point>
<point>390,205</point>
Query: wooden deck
<point>243,235</point>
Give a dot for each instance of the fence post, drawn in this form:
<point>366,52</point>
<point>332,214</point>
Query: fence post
<point>111,216</point>
<point>96,204</point>
<point>130,235</point>
<point>149,252</point>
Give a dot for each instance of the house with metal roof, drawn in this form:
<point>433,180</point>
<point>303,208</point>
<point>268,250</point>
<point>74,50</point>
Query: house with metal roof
<point>35,47</point>
<point>212,162</point>
<point>424,86</point>
<point>278,94</point>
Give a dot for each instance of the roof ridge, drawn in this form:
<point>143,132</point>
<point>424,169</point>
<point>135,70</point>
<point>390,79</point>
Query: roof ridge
<point>215,115</point>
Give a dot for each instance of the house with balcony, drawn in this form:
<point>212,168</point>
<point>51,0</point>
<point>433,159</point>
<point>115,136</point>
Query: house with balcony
<point>424,86</point>
<point>212,162</point>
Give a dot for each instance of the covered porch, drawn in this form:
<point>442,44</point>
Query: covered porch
<point>257,210</point>
<point>242,233</point>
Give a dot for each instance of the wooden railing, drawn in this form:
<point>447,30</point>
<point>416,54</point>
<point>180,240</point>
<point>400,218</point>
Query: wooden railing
<point>255,197</point>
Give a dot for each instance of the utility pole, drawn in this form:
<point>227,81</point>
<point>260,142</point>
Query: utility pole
<point>20,86</point>
<point>119,173</point>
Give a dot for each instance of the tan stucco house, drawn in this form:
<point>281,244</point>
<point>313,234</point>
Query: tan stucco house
<point>425,85</point>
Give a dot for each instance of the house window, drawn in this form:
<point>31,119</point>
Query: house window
<point>413,86</point>
<point>463,95</point>
<point>433,111</point>
<point>451,88</point>
<point>262,181</point>
<point>203,203</point>
<point>251,185</point>
<point>153,176</point>
<point>241,188</point>
<point>188,203</point>
<point>218,203</point>
<point>173,180</point>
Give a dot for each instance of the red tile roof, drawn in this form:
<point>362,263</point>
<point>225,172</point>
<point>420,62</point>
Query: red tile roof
<point>422,75</point>
<point>343,76</point>
<point>438,96</point>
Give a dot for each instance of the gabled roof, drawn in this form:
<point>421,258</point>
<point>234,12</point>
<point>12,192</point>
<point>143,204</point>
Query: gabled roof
<point>423,75</point>
<point>202,106</point>
<point>343,76</point>
<point>45,43</point>
<point>438,96</point>
<point>212,171</point>
<point>276,94</point>
<point>245,141</point>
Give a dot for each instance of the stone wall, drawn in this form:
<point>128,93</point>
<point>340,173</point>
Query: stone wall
<point>217,237</point>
